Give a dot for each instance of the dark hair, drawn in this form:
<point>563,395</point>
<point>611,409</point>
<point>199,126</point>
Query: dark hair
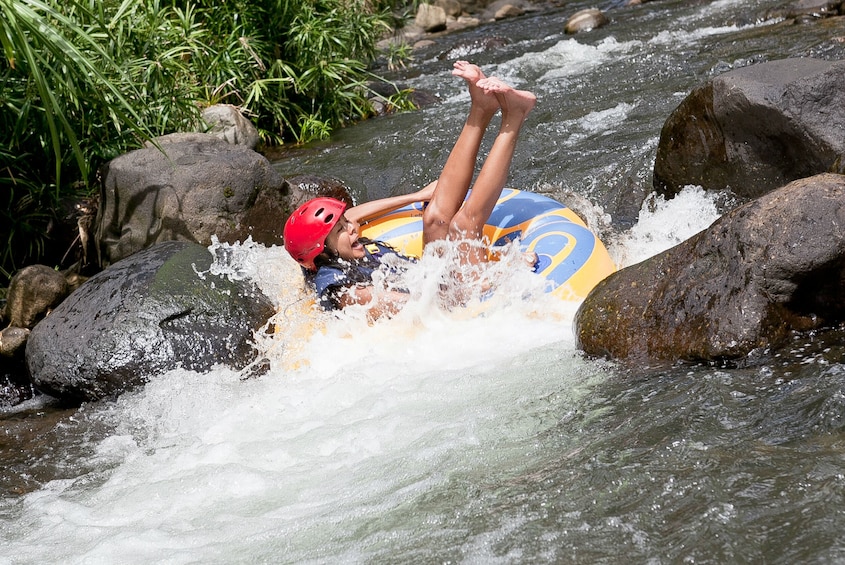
<point>328,258</point>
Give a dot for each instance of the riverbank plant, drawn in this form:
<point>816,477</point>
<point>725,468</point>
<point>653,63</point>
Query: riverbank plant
<point>86,80</point>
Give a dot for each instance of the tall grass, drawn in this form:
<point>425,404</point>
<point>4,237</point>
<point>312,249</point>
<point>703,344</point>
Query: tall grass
<point>86,80</point>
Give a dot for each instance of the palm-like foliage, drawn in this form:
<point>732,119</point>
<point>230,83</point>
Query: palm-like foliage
<point>54,75</point>
<point>50,61</point>
<point>84,80</point>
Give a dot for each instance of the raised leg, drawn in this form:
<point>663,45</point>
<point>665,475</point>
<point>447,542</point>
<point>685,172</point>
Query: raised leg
<point>455,179</point>
<point>468,222</point>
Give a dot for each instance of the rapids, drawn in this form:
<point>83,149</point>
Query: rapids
<point>480,435</point>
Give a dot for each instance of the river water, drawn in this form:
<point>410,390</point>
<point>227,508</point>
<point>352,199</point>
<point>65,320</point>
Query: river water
<point>446,437</point>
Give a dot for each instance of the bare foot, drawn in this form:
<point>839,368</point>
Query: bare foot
<point>472,74</point>
<point>516,103</point>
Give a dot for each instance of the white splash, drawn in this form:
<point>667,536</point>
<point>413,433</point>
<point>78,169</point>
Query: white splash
<point>599,122</point>
<point>665,223</point>
<point>567,58</point>
<point>688,37</point>
<point>355,424</point>
<point>351,424</point>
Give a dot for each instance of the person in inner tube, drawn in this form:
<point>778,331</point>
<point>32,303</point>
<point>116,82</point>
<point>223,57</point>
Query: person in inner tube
<point>322,235</point>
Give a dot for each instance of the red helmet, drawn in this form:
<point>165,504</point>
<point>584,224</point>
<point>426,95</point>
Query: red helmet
<point>307,228</point>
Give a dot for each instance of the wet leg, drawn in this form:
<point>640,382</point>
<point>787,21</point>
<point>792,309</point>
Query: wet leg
<point>469,221</point>
<point>455,179</point>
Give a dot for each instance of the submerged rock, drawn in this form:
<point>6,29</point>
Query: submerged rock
<point>769,267</point>
<point>467,48</point>
<point>154,311</point>
<point>303,188</point>
<point>755,128</point>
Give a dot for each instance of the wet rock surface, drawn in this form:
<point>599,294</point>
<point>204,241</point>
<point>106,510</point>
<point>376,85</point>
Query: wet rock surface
<point>770,267</point>
<point>755,128</point>
<point>159,309</point>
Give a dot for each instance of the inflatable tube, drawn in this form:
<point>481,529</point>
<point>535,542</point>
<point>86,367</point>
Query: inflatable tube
<point>570,256</point>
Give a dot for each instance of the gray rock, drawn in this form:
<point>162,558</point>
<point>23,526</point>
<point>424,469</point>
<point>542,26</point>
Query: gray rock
<point>12,341</point>
<point>33,291</point>
<point>755,128</point>
<point>586,20</point>
<point>194,187</point>
<point>452,8</point>
<point>182,137</point>
<point>769,267</point>
<point>227,123</point>
<point>431,18</point>
<point>154,311</point>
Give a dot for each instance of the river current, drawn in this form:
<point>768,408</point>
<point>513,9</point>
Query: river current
<point>467,436</point>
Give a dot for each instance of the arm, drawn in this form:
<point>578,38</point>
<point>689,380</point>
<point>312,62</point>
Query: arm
<point>369,210</point>
<point>388,303</point>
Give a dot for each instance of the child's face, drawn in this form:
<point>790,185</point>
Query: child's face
<point>343,240</point>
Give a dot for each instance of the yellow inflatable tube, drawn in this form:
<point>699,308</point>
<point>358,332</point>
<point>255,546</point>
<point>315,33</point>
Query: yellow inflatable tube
<point>570,256</point>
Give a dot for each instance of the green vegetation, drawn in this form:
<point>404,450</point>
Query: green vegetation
<point>87,80</point>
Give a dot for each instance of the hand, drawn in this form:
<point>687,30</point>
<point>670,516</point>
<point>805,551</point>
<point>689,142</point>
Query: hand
<point>426,193</point>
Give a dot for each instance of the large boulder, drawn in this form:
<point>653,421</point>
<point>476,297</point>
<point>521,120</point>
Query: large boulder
<point>189,188</point>
<point>771,266</point>
<point>159,309</point>
<point>754,129</point>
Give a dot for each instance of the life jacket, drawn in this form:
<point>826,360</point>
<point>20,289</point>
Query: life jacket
<point>331,280</point>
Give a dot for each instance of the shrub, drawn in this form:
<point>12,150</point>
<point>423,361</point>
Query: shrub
<point>87,80</point>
